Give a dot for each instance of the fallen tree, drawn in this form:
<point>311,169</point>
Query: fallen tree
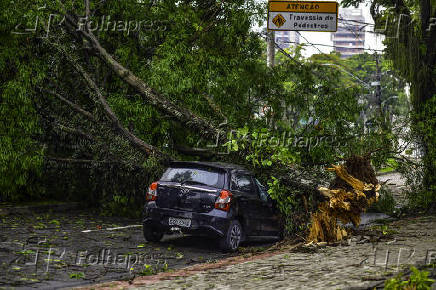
<point>92,91</point>
<point>354,189</point>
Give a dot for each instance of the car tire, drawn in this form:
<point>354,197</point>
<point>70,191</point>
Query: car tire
<point>152,233</point>
<point>232,238</point>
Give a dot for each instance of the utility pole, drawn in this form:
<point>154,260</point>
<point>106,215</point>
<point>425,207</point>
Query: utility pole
<point>270,49</point>
<point>270,55</point>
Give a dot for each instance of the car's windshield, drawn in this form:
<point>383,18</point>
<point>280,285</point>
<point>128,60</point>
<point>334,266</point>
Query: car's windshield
<point>207,176</point>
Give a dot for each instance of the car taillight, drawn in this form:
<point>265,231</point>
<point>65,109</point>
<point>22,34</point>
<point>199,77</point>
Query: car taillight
<point>223,201</point>
<point>152,192</point>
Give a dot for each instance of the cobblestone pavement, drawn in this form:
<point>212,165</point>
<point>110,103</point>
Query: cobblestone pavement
<point>363,262</point>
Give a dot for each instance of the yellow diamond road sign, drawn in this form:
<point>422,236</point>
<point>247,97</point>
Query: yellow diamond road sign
<point>279,20</point>
<point>302,15</point>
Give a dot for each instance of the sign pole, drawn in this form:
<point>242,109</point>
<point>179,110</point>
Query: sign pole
<point>270,49</point>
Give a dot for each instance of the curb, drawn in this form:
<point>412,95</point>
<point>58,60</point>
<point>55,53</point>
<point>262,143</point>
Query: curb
<point>145,281</point>
<point>27,209</point>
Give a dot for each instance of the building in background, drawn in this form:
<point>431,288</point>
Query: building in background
<point>350,37</point>
<point>286,39</point>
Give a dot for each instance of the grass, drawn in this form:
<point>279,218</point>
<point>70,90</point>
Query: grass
<point>77,275</point>
<point>390,166</point>
<point>386,170</point>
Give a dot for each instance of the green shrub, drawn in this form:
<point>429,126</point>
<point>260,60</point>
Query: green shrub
<point>385,204</point>
<point>423,199</point>
<point>418,280</point>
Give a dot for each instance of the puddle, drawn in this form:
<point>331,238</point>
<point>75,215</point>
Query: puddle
<point>370,217</point>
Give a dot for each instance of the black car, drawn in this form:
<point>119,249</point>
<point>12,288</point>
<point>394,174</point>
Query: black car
<point>208,198</point>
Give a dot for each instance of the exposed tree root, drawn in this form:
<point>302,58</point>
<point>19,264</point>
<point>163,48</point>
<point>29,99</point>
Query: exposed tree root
<point>351,193</point>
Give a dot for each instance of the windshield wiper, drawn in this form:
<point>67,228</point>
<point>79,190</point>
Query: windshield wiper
<point>194,182</point>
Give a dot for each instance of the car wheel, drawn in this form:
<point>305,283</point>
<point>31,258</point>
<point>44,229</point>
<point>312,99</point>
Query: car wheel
<point>230,242</point>
<point>152,234</point>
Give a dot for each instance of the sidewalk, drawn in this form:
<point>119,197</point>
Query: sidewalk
<point>362,262</point>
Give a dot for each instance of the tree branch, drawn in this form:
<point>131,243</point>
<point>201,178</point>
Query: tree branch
<point>135,141</point>
<point>87,12</point>
<point>216,108</point>
<point>183,115</point>
<point>74,131</point>
<point>89,161</point>
<point>74,106</point>
<point>119,128</point>
<point>201,152</point>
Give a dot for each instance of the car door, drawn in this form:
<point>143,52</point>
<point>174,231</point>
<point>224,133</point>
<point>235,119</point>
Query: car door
<point>249,202</point>
<point>270,226</point>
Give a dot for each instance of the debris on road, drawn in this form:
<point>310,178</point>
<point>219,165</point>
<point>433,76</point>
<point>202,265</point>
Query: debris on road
<point>112,229</point>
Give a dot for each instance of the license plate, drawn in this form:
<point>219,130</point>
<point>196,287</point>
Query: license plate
<point>179,222</point>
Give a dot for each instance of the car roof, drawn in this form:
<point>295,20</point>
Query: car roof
<point>218,165</point>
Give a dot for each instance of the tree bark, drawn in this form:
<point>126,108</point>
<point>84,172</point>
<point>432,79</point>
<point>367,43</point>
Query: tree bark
<point>201,126</point>
<point>72,105</point>
<point>133,140</point>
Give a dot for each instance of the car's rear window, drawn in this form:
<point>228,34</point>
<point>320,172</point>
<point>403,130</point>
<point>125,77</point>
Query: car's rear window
<point>208,176</point>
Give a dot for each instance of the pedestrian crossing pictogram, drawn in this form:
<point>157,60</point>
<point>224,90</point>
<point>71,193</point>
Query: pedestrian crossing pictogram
<point>279,20</point>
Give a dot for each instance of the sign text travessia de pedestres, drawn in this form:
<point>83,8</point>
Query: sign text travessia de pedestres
<point>303,15</point>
